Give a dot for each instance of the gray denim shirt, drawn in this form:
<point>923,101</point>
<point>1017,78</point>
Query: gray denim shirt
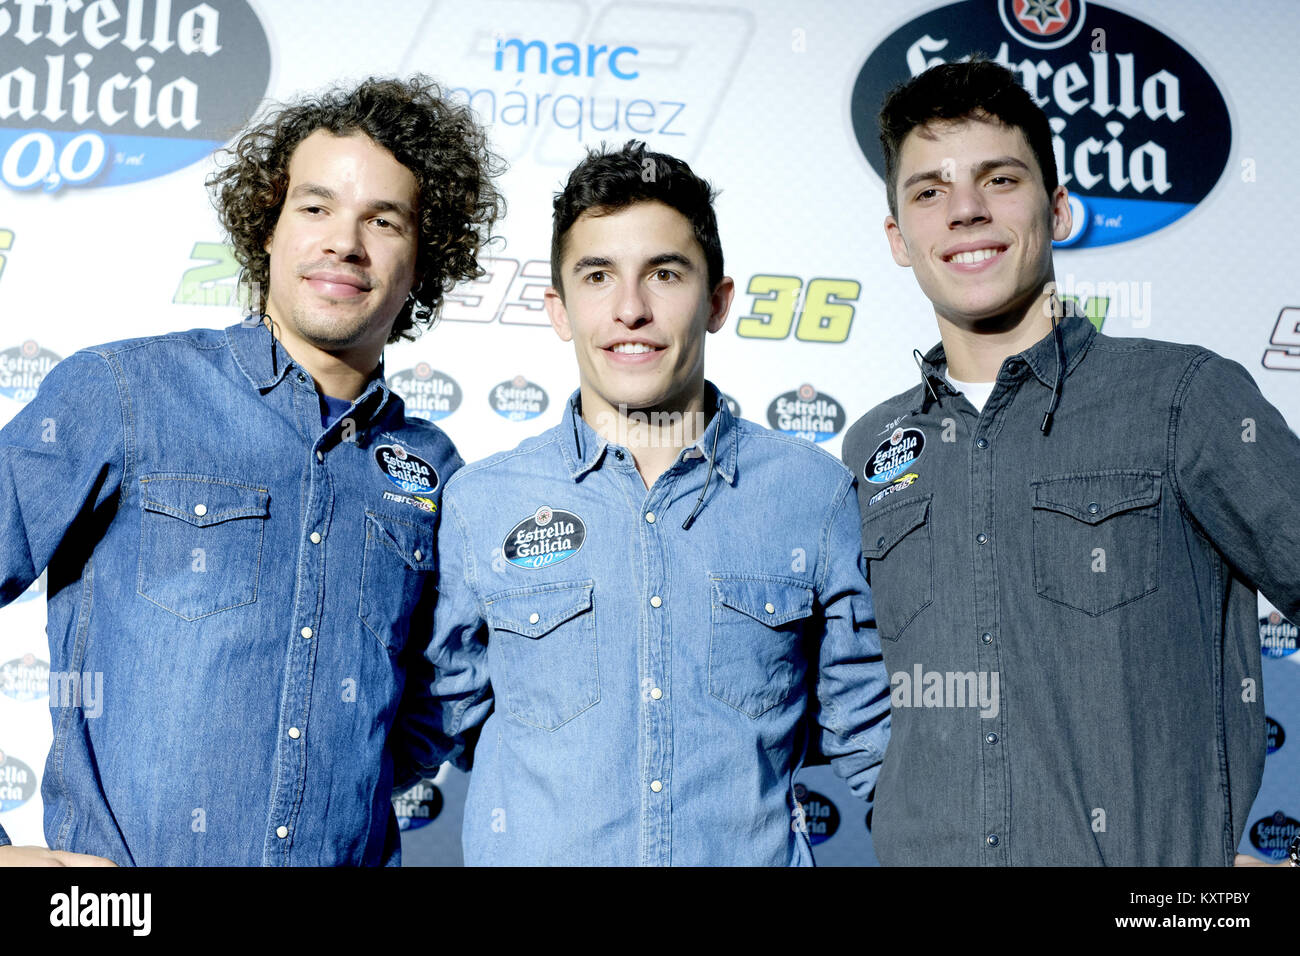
<point>1069,620</point>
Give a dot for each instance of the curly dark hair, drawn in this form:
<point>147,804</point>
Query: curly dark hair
<point>612,179</point>
<point>977,88</point>
<point>437,140</point>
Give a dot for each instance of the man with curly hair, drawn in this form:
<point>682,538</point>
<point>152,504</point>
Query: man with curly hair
<point>239,525</point>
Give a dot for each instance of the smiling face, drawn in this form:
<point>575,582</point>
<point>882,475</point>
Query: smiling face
<point>344,248</point>
<point>975,223</point>
<point>637,305</point>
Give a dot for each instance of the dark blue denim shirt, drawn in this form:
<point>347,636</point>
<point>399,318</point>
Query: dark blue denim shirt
<point>1069,620</point>
<point>646,693</point>
<point>239,581</point>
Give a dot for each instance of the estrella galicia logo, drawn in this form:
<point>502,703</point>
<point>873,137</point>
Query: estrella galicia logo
<point>17,782</point>
<point>815,815</point>
<point>1272,835</point>
<point>1275,734</point>
<point>25,678</point>
<point>428,394</point>
<point>806,414</point>
<point>893,456</point>
<point>409,472</point>
<point>97,95</point>
<point>1140,131</point>
<point>518,399</point>
<point>1277,636</point>
<point>546,537</point>
<point>23,368</point>
<point>417,806</point>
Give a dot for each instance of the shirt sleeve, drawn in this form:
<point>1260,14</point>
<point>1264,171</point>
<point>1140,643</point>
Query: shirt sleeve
<point>61,461</point>
<point>852,684</point>
<point>453,674</point>
<point>1236,467</point>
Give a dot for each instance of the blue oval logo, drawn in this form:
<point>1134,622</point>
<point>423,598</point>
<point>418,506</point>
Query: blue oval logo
<point>1275,735</point>
<point>25,678</point>
<point>806,414</point>
<point>417,806</point>
<point>1278,637</point>
<point>428,393</point>
<point>547,536</point>
<point>1272,835</point>
<point>814,814</point>
<point>518,399</point>
<point>1140,130</point>
<point>101,94</point>
<point>23,368</point>
<point>17,782</point>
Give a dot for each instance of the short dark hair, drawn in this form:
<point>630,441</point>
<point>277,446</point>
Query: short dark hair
<point>976,89</point>
<point>437,140</point>
<point>610,180</point>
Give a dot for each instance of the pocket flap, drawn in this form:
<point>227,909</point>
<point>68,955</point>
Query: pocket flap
<point>202,501</point>
<point>767,599</point>
<point>413,542</point>
<point>536,611</point>
<point>884,529</point>
<point>1097,496</point>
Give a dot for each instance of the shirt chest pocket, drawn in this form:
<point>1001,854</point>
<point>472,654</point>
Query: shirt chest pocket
<point>398,554</point>
<point>896,542</point>
<point>200,543</point>
<point>546,636</point>
<point>1097,538</point>
<point>756,655</point>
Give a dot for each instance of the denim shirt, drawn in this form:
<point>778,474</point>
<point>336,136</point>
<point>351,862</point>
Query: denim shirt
<point>1100,581</point>
<point>239,582</point>
<point>646,693</point>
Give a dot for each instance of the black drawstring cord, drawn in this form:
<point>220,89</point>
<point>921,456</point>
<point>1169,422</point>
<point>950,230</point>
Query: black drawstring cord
<point>918,358</point>
<point>686,525</point>
<point>1060,375</point>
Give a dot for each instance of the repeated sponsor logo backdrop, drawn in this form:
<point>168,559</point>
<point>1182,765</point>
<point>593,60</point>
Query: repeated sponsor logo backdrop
<point>1168,130</point>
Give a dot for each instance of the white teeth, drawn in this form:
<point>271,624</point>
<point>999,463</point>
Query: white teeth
<point>629,348</point>
<point>970,258</point>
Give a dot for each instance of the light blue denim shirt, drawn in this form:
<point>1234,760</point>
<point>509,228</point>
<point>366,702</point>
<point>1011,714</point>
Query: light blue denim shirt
<point>645,694</point>
<point>237,583</point>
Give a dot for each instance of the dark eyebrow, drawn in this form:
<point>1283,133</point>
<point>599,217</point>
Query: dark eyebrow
<point>375,205</point>
<point>934,175</point>
<point>671,258</point>
<point>592,262</point>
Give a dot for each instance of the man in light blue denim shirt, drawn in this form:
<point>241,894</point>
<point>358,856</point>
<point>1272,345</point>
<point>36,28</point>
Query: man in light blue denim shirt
<point>240,525</point>
<point>644,606</point>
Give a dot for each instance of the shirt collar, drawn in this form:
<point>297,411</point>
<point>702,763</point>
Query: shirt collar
<point>265,362</point>
<point>583,448</point>
<point>1040,358</point>
<point>259,356</point>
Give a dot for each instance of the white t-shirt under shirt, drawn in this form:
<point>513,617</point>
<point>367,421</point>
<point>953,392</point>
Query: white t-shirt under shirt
<point>977,393</point>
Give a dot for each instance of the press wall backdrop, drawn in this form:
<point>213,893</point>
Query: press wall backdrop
<point>1175,129</point>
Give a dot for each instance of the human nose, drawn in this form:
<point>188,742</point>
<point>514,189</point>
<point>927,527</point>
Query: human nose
<point>343,238</point>
<point>966,205</point>
<point>632,307</point>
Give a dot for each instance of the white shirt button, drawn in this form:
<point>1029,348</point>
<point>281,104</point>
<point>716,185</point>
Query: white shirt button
<point>419,555</point>
<point>282,832</point>
<point>306,632</point>
<point>656,785</point>
<point>656,693</point>
<point>315,537</point>
<point>200,510</point>
<point>769,608</point>
<point>320,456</point>
<point>295,733</point>
<point>533,618</point>
<point>656,601</point>
<point>650,517</point>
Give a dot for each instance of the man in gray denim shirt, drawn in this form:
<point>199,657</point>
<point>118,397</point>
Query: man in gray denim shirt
<point>1064,532</point>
